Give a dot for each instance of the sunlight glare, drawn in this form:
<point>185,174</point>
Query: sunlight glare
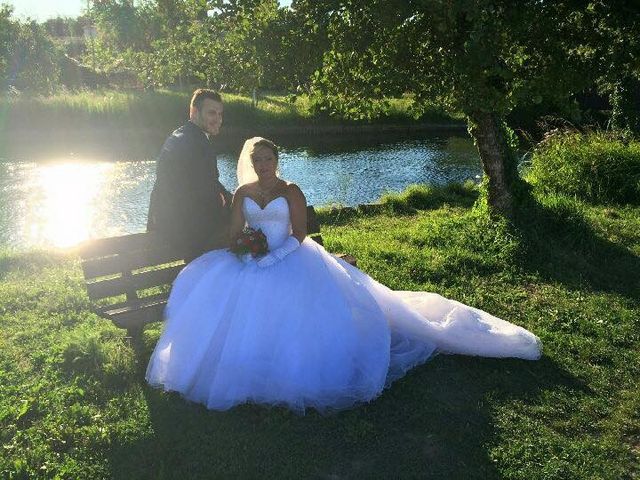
<point>69,192</point>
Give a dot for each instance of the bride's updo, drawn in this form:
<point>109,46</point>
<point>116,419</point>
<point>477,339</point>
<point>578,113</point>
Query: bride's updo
<point>264,142</point>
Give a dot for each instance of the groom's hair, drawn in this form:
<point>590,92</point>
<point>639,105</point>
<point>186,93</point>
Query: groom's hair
<point>201,94</point>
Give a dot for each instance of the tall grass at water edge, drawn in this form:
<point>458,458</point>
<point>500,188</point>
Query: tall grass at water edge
<point>166,109</point>
<point>73,403</point>
<point>600,167</point>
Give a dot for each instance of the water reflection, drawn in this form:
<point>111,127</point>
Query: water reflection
<point>62,203</point>
<point>63,214</point>
<point>65,202</point>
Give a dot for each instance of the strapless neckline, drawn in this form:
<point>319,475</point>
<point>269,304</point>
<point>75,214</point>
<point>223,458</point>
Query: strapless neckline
<point>267,204</point>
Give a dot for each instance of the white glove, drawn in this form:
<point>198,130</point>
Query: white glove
<point>246,258</point>
<point>289,245</point>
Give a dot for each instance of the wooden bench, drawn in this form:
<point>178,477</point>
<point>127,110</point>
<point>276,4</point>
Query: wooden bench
<point>128,278</point>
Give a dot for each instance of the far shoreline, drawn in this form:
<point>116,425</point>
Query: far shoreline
<point>112,143</point>
<point>113,124</point>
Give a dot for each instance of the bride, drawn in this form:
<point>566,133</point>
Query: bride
<point>299,327</point>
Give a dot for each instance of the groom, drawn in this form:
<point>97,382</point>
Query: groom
<point>189,207</point>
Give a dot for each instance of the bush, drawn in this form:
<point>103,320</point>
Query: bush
<point>424,197</point>
<point>29,60</point>
<point>597,167</point>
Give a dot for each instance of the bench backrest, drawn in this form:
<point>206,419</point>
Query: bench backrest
<point>128,278</point>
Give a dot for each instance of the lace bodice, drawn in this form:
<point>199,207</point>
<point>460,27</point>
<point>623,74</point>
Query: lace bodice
<point>273,219</point>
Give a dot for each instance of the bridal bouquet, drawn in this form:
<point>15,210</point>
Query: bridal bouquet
<point>250,241</point>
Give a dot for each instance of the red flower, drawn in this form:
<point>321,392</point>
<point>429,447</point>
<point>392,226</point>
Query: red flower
<point>250,241</point>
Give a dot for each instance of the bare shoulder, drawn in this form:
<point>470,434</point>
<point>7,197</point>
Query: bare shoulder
<point>294,193</point>
<point>244,190</point>
<point>241,192</point>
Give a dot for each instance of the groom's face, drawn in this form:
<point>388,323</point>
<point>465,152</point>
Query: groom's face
<point>209,116</point>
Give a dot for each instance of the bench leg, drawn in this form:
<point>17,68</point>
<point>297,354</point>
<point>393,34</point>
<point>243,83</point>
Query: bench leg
<point>134,335</point>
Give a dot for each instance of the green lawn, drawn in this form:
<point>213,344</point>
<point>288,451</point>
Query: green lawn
<point>73,403</point>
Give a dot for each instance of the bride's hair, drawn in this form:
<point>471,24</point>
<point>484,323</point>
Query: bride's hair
<point>263,142</point>
<point>245,171</point>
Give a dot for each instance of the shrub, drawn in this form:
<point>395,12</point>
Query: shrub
<point>423,197</point>
<point>597,167</point>
<point>29,60</point>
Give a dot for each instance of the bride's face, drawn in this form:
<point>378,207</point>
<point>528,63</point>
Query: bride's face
<point>264,162</point>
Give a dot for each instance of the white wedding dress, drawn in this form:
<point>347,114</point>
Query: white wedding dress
<point>309,331</point>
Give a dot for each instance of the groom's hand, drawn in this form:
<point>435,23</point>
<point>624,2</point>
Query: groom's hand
<point>226,197</point>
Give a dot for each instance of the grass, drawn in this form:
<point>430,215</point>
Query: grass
<point>73,403</point>
<point>112,124</point>
<point>598,167</point>
<point>164,109</point>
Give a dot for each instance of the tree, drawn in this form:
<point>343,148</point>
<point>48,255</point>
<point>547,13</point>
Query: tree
<point>479,57</point>
<point>240,45</point>
<point>302,31</point>
<point>61,27</point>
<point>29,60</point>
<point>245,49</point>
<point>7,33</point>
<point>119,24</point>
<point>616,39</point>
<point>174,55</point>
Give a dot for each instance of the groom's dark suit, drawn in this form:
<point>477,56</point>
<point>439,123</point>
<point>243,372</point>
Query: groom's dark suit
<point>189,206</point>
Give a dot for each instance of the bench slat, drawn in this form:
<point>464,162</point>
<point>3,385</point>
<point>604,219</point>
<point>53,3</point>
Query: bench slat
<point>107,310</point>
<point>138,281</point>
<point>135,317</point>
<point>113,245</point>
<point>100,267</point>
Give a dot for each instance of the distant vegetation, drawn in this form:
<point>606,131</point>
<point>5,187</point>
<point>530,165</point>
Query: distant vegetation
<point>166,109</point>
<point>597,167</point>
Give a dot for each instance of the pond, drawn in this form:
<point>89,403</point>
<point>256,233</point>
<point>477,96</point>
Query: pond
<point>64,201</point>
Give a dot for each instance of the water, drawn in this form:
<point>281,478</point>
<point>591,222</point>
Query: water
<point>62,202</point>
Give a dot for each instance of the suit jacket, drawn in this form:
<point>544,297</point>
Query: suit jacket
<point>189,206</point>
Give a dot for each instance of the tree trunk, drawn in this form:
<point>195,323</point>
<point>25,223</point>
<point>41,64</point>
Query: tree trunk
<point>625,101</point>
<point>497,160</point>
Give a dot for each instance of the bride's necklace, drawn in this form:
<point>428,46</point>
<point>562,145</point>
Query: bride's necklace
<point>265,192</point>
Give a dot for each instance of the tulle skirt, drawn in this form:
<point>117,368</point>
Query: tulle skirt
<point>309,331</point>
